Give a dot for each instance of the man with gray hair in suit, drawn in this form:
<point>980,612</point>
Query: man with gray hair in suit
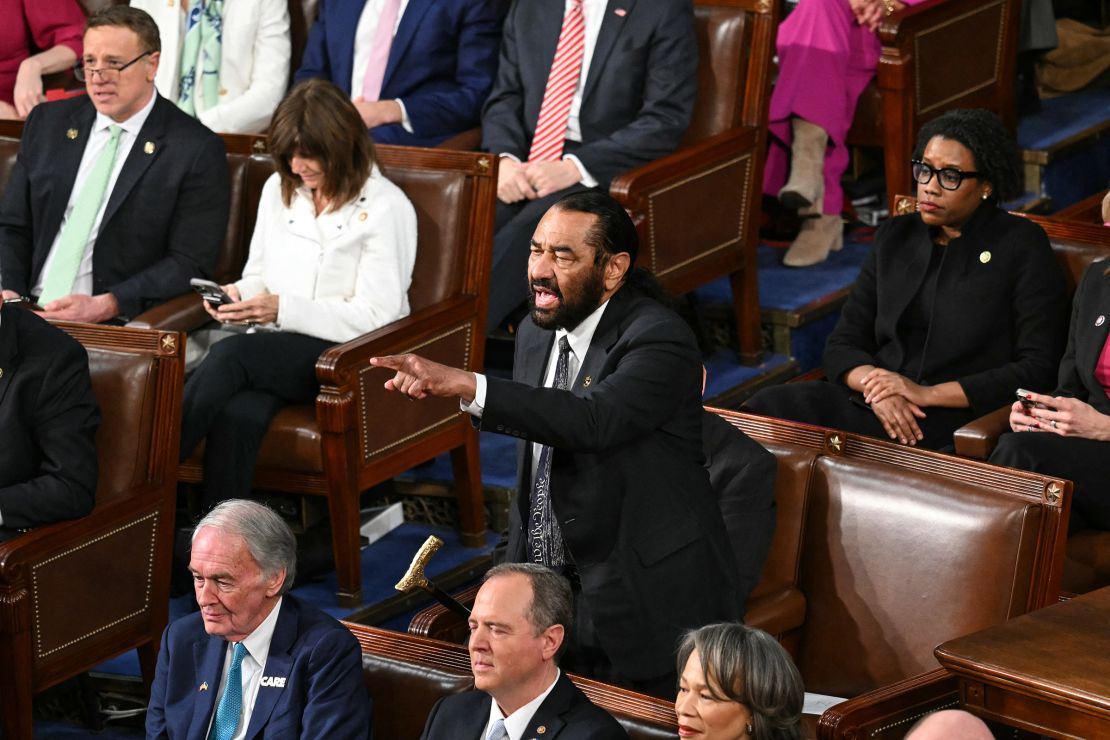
<point>254,659</point>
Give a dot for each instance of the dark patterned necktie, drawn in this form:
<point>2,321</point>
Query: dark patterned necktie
<point>544,538</point>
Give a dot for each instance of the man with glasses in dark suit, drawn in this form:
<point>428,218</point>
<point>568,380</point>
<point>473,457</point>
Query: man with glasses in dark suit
<point>117,198</point>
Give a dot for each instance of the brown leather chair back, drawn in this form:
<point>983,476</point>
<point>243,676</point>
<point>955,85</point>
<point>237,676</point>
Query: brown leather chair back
<point>302,14</point>
<point>124,385</point>
<point>724,38</point>
<point>897,561</point>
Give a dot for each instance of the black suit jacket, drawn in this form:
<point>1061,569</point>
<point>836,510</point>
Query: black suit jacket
<point>1090,324</point>
<point>166,215</point>
<point>566,713</point>
<point>48,423</point>
<point>628,481</point>
<point>999,318</point>
<point>638,95</point>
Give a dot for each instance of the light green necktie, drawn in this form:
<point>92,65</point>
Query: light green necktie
<point>200,55</point>
<point>75,232</point>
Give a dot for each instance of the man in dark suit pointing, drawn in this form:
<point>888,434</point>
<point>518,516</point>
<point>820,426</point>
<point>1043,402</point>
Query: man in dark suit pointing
<point>606,399</point>
<point>118,198</point>
<point>517,632</point>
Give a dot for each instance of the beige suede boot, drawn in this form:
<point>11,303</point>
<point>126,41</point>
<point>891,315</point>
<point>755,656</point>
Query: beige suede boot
<point>821,233</point>
<point>807,165</point>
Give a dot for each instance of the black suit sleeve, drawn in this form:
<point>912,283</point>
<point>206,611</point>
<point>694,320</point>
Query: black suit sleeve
<point>16,233</point>
<point>64,420</point>
<point>502,132</point>
<point>1070,382</point>
<point>194,236</point>
<point>853,343</point>
<point>429,733</point>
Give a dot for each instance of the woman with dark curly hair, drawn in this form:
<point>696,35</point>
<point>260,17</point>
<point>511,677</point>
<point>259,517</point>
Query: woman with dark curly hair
<point>956,306</point>
<point>737,682</point>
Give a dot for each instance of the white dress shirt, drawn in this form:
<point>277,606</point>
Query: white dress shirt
<point>516,724</point>
<point>364,44</point>
<point>98,139</point>
<point>254,663</point>
<point>579,339</point>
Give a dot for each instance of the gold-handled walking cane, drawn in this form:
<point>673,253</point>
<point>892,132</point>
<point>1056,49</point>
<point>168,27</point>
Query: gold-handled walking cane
<point>414,577</point>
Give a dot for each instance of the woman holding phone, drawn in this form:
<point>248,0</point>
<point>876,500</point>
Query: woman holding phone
<point>1067,433</point>
<point>331,259</point>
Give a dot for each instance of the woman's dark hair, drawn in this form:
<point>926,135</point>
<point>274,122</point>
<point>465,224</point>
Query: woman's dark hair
<point>318,121</point>
<point>996,156</point>
<point>750,667</point>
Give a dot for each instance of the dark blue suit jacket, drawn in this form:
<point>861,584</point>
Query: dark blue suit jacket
<point>323,696</point>
<point>441,63</point>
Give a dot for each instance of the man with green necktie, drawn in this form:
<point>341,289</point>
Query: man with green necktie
<point>117,198</point>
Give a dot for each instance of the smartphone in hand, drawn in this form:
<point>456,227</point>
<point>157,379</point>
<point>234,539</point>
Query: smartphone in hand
<point>1028,403</point>
<point>213,294</point>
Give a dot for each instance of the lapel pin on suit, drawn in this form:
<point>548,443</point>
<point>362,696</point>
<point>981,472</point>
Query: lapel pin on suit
<point>984,257</point>
<point>586,381</point>
<point>1,372</point>
<point>1100,321</point>
<point>620,12</point>
<point>71,134</point>
<point>362,216</point>
<point>149,147</point>
<point>203,686</point>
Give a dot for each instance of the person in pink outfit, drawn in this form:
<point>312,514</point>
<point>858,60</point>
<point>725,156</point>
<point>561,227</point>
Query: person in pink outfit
<point>55,28</point>
<point>828,51</point>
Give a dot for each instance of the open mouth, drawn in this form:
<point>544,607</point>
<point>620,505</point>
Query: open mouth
<point>545,298</point>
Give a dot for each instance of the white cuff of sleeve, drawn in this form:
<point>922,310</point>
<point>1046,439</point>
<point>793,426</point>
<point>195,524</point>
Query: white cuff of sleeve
<point>478,405</point>
<point>405,122</point>
<point>510,156</point>
<point>586,178</point>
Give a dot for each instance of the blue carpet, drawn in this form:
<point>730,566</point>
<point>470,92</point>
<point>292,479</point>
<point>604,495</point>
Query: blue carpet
<point>784,288</point>
<point>1063,117</point>
<point>383,564</point>
<point>723,371</point>
<point>498,455</point>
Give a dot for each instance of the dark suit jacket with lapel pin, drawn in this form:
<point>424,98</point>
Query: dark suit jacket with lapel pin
<point>323,695</point>
<point>566,714</point>
<point>441,63</point>
<point>628,480</point>
<point>48,422</point>
<point>166,215</point>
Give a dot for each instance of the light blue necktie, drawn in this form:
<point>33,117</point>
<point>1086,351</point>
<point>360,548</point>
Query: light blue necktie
<point>498,731</point>
<point>231,703</point>
<point>58,282</point>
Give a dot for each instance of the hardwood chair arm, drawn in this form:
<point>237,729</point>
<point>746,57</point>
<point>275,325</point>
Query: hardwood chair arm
<point>629,187</point>
<point>901,26</point>
<point>182,313</point>
<point>979,438</point>
<point>889,712</point>
<point>467,141</point>
<point>337,363</point>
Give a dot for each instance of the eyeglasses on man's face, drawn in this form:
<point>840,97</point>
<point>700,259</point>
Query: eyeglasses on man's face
<point>108,73</point>
<point>948,177</point>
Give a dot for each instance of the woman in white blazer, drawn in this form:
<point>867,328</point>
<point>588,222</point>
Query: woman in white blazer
<point>331,258</point>
<point>254,60</point>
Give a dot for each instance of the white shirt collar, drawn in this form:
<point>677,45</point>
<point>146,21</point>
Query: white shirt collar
<point>258,642</point>
<point>132,125</point>
<point>517,723</point>
<point>580,336</point>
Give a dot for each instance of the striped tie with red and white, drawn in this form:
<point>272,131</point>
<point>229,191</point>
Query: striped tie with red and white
<point>562,80</point>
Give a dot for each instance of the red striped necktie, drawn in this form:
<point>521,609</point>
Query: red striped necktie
<point>562,80</point>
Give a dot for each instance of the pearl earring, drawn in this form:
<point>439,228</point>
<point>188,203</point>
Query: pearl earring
<point>986,195</point>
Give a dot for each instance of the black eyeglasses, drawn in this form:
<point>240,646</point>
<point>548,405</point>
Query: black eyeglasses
<point>107,74</point>
<point>948,177</point>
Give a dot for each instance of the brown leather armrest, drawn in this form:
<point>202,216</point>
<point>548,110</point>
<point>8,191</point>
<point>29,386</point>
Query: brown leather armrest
<point>689,160</point>
<point>467,141</point>
<point>979,438</point>
<point>889,712</point>
<point>183,313</point>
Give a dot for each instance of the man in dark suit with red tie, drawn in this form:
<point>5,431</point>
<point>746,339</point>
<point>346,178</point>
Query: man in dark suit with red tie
<point>613,491</point>
<point>585,90</point>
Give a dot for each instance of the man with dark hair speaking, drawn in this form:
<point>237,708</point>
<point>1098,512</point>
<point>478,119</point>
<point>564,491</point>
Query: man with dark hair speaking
<point>605,396</point>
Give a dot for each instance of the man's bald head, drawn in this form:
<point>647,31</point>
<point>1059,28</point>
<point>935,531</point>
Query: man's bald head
<point>951,724</point>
